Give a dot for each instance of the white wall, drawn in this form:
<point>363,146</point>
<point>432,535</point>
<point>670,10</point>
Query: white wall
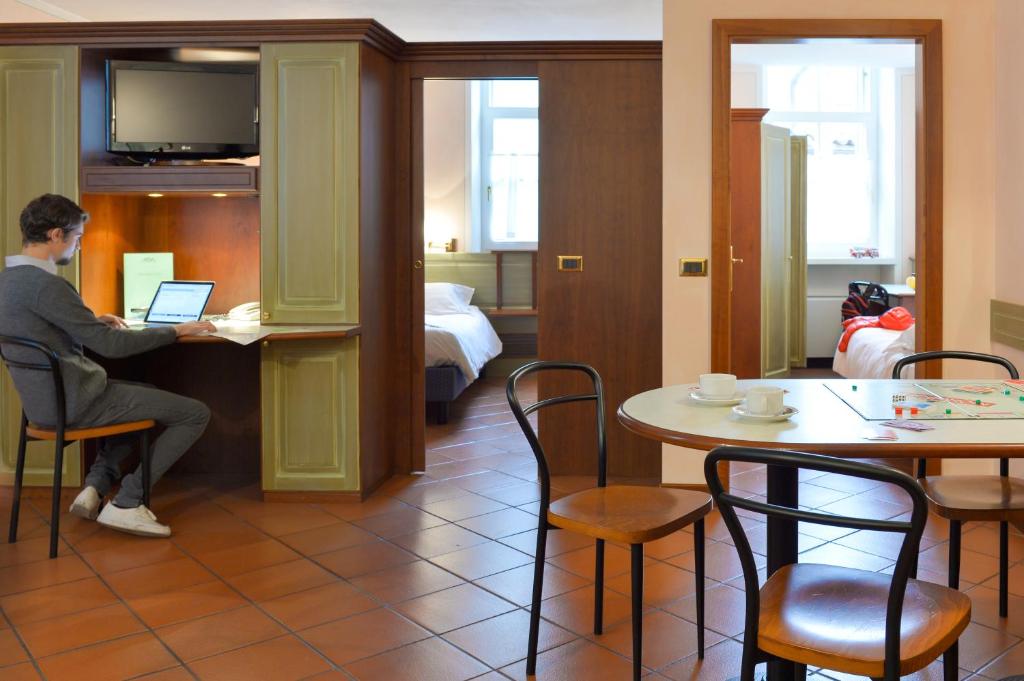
<point>444,160</point>
<point>969,86</point>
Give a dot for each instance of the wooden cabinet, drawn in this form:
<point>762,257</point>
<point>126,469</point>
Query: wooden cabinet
<point>38,154</point>
<point>309,150</point>
<point>310,404</point>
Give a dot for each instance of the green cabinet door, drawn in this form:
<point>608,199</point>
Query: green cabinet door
<point>38,154</point>
<point>310,403</point>
<point>309,187</point>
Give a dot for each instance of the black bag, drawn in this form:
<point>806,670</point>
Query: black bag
<point>865,299</point>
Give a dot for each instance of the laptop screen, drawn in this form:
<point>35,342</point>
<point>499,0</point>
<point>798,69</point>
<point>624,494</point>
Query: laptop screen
<point>179,301</point>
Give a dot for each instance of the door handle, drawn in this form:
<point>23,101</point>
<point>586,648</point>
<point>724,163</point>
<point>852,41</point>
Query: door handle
<point>732,262</point>
<point>418,265</point>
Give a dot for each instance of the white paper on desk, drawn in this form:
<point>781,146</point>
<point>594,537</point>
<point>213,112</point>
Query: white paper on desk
<point>240,332</point>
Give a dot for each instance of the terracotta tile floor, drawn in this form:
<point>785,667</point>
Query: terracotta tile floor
<point>428,580</point>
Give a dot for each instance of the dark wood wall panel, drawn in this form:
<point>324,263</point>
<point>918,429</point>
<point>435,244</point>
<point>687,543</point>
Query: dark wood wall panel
<point>379,406</point>
<point>211,238</point>
<point>600,178</point>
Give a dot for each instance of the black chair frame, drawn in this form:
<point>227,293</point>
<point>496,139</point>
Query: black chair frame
<point>52,365</point>
<point>912,530</point>
<point>956,526</point>
<point>636,550</point>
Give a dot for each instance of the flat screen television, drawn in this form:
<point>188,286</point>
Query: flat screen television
<point>182,110</point>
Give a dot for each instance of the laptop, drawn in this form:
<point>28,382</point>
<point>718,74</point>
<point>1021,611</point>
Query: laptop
<point>177,301</point>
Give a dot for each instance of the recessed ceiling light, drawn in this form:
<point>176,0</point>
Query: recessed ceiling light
<point>219,195</point>
<point>154,195</point>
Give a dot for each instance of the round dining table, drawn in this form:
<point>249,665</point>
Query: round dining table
<point>824,423</point>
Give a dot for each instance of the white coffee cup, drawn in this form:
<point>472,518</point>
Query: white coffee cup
<point>765,400</point>
<point>717,385</point>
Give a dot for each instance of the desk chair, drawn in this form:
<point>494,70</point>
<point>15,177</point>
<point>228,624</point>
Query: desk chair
<point>840,618</point>
<point>61,436</point>
<point>972,497</point>
<point>632,515</point>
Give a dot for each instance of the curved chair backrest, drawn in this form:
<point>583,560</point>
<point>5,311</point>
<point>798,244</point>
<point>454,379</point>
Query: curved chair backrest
<point>52,365</point>
<point>728,503</point>
<point>521,413</point>
<point>954,354</point>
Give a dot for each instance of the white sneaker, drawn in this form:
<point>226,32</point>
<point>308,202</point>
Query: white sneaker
<point>139,520</point>
<point>86,504</point>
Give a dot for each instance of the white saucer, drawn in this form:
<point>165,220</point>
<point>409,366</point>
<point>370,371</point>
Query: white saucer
<point>741,411</point>
<point>735,398</point>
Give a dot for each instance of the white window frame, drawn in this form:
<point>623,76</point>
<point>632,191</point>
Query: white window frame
<point>486,131</point>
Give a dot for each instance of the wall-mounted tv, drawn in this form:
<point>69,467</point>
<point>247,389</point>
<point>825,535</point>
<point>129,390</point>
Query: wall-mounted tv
<point>185,110</point>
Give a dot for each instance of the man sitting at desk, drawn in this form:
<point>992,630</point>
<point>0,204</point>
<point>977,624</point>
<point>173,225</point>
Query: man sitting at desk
<point>37,304</point>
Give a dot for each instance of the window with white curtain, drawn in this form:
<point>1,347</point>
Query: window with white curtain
<point>838,109</point>
<point>509,143</point>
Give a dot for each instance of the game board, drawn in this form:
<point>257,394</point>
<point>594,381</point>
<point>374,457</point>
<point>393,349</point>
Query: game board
<point>931,400</point>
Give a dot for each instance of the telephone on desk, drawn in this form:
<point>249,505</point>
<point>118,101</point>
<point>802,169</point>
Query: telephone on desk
<point>246,312</point>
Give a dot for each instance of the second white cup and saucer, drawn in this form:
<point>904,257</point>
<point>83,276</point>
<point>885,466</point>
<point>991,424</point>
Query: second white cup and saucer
<point>717,390</point>
<point>764,403</point>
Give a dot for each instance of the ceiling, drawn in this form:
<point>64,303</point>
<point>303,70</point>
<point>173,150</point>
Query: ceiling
<point>411,20</point>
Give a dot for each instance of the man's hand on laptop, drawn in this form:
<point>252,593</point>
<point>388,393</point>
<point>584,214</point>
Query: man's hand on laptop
<point>113,321</point>
<point>194,328</point>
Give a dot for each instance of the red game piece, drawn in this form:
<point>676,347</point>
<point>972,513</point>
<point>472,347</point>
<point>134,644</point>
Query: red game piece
<point>913,411</point>
<point>899,411</point>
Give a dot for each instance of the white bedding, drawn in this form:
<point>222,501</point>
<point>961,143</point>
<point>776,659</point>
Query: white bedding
<point>466,340</point>
<point>873,352</point>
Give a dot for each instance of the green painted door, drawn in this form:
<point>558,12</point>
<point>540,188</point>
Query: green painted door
<point>38,154</point>
<point>309,188</point>
<point>310,400</point>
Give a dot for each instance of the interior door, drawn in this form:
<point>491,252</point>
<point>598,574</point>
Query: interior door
<point>798,251</point>
<point>600,198</point>
<point>775,251</point>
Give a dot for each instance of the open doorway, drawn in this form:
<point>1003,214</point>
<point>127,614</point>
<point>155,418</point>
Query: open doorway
<point>480,233</point>
<point>823,198</point>
<point>924,37</point>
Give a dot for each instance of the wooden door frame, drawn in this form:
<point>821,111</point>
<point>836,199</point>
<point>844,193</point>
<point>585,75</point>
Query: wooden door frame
<point>926,34</point>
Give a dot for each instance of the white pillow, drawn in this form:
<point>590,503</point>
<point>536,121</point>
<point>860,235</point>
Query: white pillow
<point>446,298</point>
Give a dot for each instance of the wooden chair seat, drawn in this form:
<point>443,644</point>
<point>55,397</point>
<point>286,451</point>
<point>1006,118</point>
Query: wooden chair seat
<point>44,433</point>
<point>629,514</point>
<point>834,617</point>
<point>975,497</point>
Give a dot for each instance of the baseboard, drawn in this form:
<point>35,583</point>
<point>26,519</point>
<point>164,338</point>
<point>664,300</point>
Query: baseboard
<point>695,487</point>
<point>298,497</point>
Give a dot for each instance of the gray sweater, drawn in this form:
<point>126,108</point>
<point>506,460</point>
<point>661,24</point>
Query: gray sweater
<point>43,307</point>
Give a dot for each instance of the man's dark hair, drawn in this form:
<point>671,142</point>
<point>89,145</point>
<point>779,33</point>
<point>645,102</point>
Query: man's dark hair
<point>47,212</point>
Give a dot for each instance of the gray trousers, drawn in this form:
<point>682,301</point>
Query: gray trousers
<point>184,420</point>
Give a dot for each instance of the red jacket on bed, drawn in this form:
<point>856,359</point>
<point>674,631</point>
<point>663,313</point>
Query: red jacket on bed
<point>896,319</point>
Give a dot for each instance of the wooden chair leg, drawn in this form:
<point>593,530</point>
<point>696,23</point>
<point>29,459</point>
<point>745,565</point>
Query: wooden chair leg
<point>58,474</point>
<point>698,554</point>
<point>1004,567</point>
<point>538,588</point>
<point>599,587</point>
<point>637,569</point>
<point>19,476</point>
<point>800,672</point>
<point>954,554</point>
<point>951,663</point>
<point>145,461</point>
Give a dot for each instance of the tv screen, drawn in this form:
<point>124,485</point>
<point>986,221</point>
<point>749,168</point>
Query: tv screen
<point>182,110</point>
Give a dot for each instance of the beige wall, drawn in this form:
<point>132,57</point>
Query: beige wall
<point>969,85</point>
<point>444,160</point>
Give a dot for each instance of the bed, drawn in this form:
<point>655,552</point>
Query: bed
<point>458,341</point>
<point>873,352</point>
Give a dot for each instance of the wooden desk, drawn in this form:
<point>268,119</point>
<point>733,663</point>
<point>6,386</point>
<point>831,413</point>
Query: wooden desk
<point>824,425</point>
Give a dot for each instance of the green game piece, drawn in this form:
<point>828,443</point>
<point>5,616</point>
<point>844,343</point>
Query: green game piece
<point>854,388</point>
<point>977,401</point>
<point>949,411</point>
<point>1022,398</point>
<point>1006,392</point>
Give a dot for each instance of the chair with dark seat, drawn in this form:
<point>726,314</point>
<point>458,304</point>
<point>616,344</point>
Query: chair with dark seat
<point>839,618</point>
<point>959,498</point>
<point>631,515</point>
<point>61,435</point>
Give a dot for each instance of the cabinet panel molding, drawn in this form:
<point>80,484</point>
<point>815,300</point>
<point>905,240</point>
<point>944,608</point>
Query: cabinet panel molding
<point>309,102</point>
<point>38,155</point>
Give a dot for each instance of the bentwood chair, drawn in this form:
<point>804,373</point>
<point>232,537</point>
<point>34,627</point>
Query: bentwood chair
<point>960,498</point>
<point>631,515</point>
<point>60,434</point>
<point>840,618</point>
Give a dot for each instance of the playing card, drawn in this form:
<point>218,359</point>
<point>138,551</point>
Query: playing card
<point>880,434</point>
<point>908,425</point>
